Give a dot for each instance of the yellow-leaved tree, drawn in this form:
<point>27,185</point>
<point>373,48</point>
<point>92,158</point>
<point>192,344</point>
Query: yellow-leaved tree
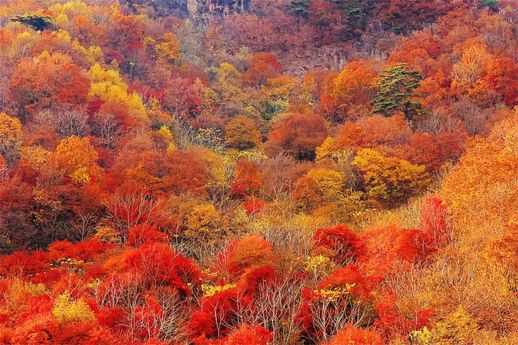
<point>457,327</point>
<point>78,158</point>
<point>389,179</point>
<point>241,133</point>
<point>204,224</point>
<point>107,84</point>
<point>166,49</point>
<point>66,309</point>
<point>10,137</point>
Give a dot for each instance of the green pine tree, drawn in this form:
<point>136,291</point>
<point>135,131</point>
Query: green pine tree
<point>34,21</point>
<point>355,14</point>
<point>396,92</point>
<point>300,8</point>
<point>493,5</point>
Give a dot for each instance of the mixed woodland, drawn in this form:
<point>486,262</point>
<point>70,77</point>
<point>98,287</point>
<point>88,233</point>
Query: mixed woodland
<point>255,172</point>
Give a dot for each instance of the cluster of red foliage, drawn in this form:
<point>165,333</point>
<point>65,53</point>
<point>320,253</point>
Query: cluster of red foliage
<point>344,245</point>
<point>98,277</point>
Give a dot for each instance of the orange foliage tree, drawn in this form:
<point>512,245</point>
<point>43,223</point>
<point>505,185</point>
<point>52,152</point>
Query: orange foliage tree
<point>241,133</point>
<point>46,81</point>
<point>247,179</point>
<point>298,135</point>
<point>78,158</point>
<point>353,88</point>
<point>249,251</point>
<point>354,335</point>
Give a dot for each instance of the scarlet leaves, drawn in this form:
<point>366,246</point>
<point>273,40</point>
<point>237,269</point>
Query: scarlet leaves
<point>246,334</point>
<point>349,278</point>
<point>85,251</point>
<point>353,335</point>
<point>218,314</point>
<point>391,248</point>
<point>262,67</point>
<point>254,206</point>
<point>143,234</point>
<point>343,245</point>
<point>157,264</point>
<point>434,221</point>
<point>22,263</point>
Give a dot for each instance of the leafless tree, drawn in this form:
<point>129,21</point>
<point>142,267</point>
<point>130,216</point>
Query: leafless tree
<point>4,173</point>
<point>441,119</point>
<point>84,225</point>
<point>72,122</point>
<point>294,241</point>
<point>127,210</point>
<point>117,292</point>
<point>105,127</point>
<point>474,117</point>
<point>278,182</point>
<point>275,308</point>
<point>167,323</point>
<point>66,122</point>
<point>331,315</point>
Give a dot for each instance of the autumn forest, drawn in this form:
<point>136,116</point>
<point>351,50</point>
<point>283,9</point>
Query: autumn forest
<point>258,172</point>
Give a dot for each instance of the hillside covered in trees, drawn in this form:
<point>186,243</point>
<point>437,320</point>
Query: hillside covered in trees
<point>256,172</point>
